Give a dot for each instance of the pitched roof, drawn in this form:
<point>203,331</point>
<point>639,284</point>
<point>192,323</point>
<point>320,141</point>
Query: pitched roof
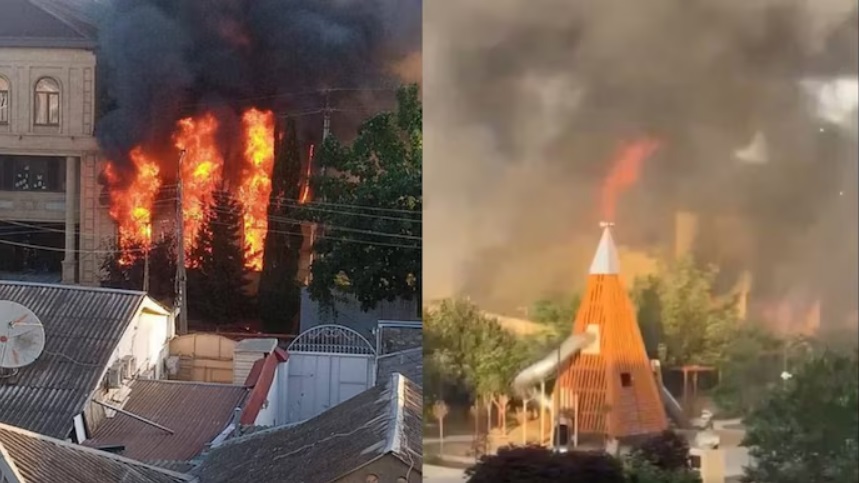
<point>605,259</point>
<point>196,413</point>
<point>46,24</point>
<point>385,419</point>
<point>35,458</point>
<point>409,363</point>
<point>82,328</point>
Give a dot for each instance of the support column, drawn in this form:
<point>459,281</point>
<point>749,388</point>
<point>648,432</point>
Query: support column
<point>69,262</point>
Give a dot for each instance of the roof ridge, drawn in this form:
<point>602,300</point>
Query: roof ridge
<point>82,288</point>
<point>88,450</point>
<point>397,386</point>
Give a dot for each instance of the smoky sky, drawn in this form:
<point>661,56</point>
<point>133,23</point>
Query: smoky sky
<point>162,60</point>
<point>525,106</point>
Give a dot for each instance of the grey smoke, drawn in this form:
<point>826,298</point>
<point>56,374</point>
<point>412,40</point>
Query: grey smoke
<point>525,102</point>
<point>166,59</point>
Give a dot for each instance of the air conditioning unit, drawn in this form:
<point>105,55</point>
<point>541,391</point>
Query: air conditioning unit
<point>129,366</point>
<point>113,379</point>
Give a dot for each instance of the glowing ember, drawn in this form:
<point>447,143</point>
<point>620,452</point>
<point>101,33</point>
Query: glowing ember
<point>201,170</point>
<point>255,187</point>
<point>305,188</point>
<point>131,207</point>
<point>624,173</point>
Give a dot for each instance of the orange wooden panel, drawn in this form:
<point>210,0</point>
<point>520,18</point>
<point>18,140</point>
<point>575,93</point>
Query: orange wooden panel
<point>618,394</point>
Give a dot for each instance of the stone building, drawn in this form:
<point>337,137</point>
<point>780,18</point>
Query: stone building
<point>50,217</point>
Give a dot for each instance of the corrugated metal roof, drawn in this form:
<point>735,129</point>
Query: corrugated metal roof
<point>385,419</point>
<point>82,328</point>
<point>41,459</point>
<point>196,412</point>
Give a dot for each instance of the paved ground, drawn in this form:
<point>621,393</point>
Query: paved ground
<point>438,474</point>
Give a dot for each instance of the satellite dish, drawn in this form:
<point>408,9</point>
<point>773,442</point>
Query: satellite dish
<point>22,336</point>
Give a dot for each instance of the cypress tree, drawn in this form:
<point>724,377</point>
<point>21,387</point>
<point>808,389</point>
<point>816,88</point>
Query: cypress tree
<point>279,292</point>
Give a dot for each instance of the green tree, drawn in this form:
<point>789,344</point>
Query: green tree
<point>371,210</point>
<point>648,312</point>
<point>558,312</point>
<point>129,275</point>
<point>694,323</point>
<point>805,429</point>
<point>463,346</point>
<point>279,293</point>
<point>750,364</point>
<point>218,280</point>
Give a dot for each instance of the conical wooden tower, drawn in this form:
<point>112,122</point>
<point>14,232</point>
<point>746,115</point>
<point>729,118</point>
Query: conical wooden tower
<point>617,392</point>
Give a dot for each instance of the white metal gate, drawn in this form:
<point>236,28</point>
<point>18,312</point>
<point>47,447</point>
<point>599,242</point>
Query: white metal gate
<point>327,365</point>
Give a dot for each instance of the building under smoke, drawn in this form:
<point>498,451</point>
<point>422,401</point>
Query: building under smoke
<point>526,108</point>
<point>142,80</point>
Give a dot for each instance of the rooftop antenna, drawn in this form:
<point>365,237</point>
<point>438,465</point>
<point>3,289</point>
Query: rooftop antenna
<point>22,336</point>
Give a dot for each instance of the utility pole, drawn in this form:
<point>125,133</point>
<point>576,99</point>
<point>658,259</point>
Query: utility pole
<point>326,118</point>
<point>181,276</point>
<point>146,250</point>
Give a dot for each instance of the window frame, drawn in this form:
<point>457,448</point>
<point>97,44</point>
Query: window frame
<point>8,95</point>
<point>47,105</point>
<point>53,171</point>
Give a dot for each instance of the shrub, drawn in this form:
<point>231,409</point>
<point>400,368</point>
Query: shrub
<point>534,464</point>
<point>667,451</point>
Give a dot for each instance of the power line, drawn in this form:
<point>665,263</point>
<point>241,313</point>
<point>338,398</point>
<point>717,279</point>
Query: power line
<point>141,250</point>
<point>271,219</point>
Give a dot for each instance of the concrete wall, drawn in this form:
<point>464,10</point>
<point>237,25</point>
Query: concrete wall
<point>74,70</point>
<point>268,415</point>
<point>388,468</point>
<point>147,334</point>
<point>73,139</point>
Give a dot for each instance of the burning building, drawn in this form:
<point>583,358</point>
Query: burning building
<point>113,92</point>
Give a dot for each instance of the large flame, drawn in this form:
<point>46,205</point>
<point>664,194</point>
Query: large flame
<point>202,172</point>
<point>255,188</point>
<point>625,170</point>
<point>132,206</point>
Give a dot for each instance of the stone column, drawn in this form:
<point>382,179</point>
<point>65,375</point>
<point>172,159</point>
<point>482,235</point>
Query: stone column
<point>69,263</point>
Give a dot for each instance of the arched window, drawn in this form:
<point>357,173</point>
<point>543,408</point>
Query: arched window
<point>4,101</point>
<point>47,102</point>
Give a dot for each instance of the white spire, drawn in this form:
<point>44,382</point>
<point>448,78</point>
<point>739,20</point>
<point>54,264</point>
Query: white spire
<point>606,260</point>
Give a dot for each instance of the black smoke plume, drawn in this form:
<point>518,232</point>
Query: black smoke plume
<point>162,60</point>
<point>526,101</point>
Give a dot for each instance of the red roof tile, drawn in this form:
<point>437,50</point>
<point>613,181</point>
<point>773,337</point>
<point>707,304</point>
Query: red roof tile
<point>196,413</point>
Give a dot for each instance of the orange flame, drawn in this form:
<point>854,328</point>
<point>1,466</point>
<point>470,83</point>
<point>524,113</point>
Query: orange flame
<point>202,174</point>
<point>255,187</point>
<point>624,173</point>
<point>201,170</point>
<point>305,188</point>
<point>131,207</point>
